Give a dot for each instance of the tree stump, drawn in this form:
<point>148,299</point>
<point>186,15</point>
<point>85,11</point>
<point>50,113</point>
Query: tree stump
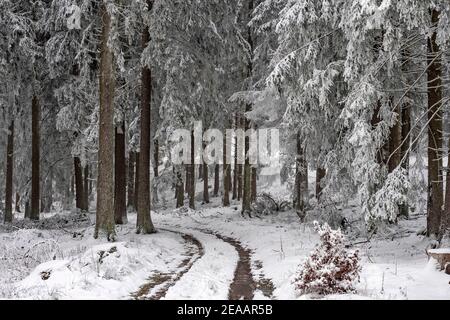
<point>442,256</point>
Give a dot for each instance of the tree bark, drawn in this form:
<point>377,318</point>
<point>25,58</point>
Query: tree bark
<point>35,159</point>
<point>144,221</point>
<point>105,180</point>
<point>131,182</point>
<point>301,181</point>
<point>9,173</point>
<point>235,171</point>
<point>86,188</point>
<point>136,182</point>
<point>17,203</point>
<point>191,189</point>
<point>155,169</point>
<point>120,181</point>
<point>180,189</point>
<point>320,174</point>
<point>435,185</point>
<point>205,184</point>
<point>226,174</point>
<point>216,179</point>
<point>395,139</point>
<point>406,143</point>
<point>79,188</point>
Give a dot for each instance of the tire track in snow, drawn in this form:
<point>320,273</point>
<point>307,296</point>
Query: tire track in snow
<point>161,282</point>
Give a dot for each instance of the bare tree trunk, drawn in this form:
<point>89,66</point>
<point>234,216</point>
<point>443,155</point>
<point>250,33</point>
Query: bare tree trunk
<point>86,188</point>
<point>254,184</point>
<point>120,181</point>
<point>235,171</point>
<point>320,174</point>
<point>9,173</point>
<point>191,190</point>
<point>35,159</point>
<point>144,221</point>
<point>17,203</point>
<point>406,143</point>
<point>301,181</point>
<point>136,182</point>
<point>216,179</point>
<point>105,180</point>
<point>179,189</point>
<point>131,182</point>
<point>79,188</point>
<point>205,183</point>
<point>226,174</point>
<point>155,169</point>
<point>395,139</point>
<point>435,185</point>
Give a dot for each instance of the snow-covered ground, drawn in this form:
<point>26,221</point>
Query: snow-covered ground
<point>59,259</point>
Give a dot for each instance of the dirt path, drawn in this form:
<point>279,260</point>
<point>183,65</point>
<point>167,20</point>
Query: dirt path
<point>244,285</point>
<point>159,283</point>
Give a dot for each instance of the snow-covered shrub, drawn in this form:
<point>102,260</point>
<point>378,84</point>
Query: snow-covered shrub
<point>330,268</point>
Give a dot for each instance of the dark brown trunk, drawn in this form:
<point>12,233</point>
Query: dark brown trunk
<point>120,179</point>
<point>435,185</point>
<point>226,174</point>
<point>35,159</point>
<point>9,173</point>
<point>136,182</point>
<point>406,143</point>
<point>320,174</point>
<point>86,188</point>
<point>180,189</point>
<point>156,158</point>
<point>79,188</point>
<point>216,179</point>
<point>191,190</point>
<point>254,180</point>
<point>105,180</point>
<point>205,184</point>
<point>301,181</point>
<point>144,221</point>
<point>17,202</point>
<point>131,182</point>
<point>395,139</point>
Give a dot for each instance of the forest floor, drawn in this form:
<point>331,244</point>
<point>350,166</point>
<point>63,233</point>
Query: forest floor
<point>210,253</point>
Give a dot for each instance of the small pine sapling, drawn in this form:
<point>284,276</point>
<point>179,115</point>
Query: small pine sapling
<point>330,268</point>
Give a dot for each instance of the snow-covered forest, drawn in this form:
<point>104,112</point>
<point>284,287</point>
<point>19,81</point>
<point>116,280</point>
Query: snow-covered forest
<point>224,149</point>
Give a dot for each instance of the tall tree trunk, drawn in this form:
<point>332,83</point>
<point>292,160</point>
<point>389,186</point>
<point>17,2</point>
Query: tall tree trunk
<point>180,189</point>
<point>155,169</point>
<point>226,174</point>
<point>240,166</point>
<point>144,220</point>
<point>435,185</point>
<point>79,188</point>
<point>192,179</point>
<point>17,203</point>
<point>105,180</point>
<point>254,184</point>
<point>9,173</point>
<point>320,174</point>
<point>131,182</point>
<point>301,181</point>
<point>216,179</point>
<point>235,170</point>
<point>395,139</point>
<point>406,143</point>
<point>205,183</point>
<point>47,196</point>
<point>35,158</point>
<point>120,181</point>
<point>136,182</point>
<point>86,188</point>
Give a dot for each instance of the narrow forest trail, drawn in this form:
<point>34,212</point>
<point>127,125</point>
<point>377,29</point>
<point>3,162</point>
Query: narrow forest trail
<point>242,284</point>
<point>159,283</point>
